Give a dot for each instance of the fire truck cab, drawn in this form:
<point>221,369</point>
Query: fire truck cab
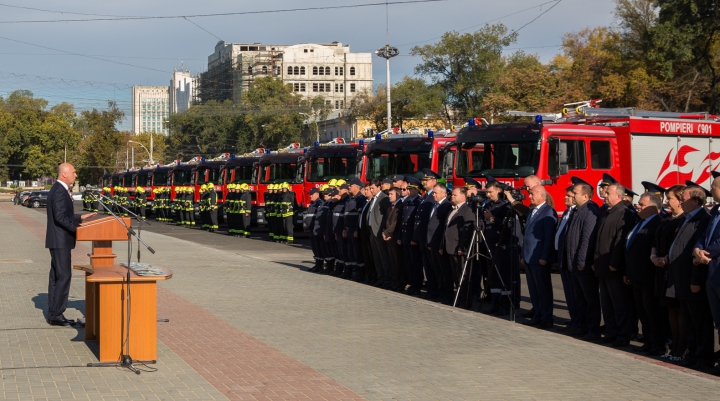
<point>277,167</point>
<point>408,154</point>
<point>333,160</point>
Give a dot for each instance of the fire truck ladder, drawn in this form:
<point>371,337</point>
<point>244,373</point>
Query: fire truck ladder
<point>633,112</point>
<point>545,116</point>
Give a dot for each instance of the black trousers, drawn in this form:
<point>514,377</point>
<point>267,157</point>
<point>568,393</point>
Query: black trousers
<point>432,285</point>
<point>615,304</point>
<point>587,299</point>
<point>699,328</point>
<point>650,315</point>
<point>456,264</point>
<point>330,248</point>
<point>413,266</point>
<point>355,251</point>
<point>214,219</point>
<point>315,245</point>
<point>443,271</point>
<point>366,245</point>
<point>59,282</point>
<point>396,274</point>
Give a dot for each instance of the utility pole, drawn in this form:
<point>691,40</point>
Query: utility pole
<point>133,156</point>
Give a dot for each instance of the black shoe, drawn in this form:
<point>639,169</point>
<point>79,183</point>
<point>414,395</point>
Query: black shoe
<point>546,325</point>
<point>715,371</point>
<point>529,314</point>
<point>620,343</point>
<point>655,352</point>
<point>55,322</point>
<point>413,291</point>
<point>533,323</point>
<point>564,328</point>
<point>591,337</point>
<point>608,340</point>
<point>687,363</point>
<point>643,348</point>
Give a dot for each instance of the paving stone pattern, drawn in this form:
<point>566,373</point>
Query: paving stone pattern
<point>379,345</point>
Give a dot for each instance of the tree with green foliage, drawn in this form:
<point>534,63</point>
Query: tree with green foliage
<point>466,66</point>
<point>100,143</point>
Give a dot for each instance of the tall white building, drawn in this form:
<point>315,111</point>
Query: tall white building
<point>182,86</point>
<point>314,69</point>
<point>150,109</point>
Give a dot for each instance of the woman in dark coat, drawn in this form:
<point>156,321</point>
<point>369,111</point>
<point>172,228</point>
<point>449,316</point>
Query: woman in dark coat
<point>661,246</point>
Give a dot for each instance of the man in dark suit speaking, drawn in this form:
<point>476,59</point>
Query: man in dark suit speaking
<point>60,239</point>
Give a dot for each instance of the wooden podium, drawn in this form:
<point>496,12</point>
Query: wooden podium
<point>105,304</point>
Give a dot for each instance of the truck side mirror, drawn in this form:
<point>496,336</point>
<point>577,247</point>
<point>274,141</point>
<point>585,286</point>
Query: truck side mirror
<point>562,158</point>
<point>448,162</point>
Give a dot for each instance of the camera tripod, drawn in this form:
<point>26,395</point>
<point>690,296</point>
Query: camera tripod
<point>475,253</point>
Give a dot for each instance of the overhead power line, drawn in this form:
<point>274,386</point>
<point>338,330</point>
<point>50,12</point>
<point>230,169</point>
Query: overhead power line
<point>126,18</point>
<point>84,55</point>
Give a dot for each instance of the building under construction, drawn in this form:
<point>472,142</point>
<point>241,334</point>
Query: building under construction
<point>329,70</point>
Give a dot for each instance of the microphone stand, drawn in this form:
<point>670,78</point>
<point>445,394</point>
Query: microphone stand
<point>126,360</point>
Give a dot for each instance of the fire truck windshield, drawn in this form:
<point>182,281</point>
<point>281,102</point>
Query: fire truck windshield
<point>182,177</point>
<point>324,169</point>
<point>243,174</point>
<point>502,159</point>
<point>213,175</point>
<point>381,165</point>
<point>116,181</point>
<point>160,178</point>
<point>280,173</point>
<point>143,180</point>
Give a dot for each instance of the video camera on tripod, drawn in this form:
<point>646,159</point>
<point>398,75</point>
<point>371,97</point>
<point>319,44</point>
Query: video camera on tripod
<point>515,193</point>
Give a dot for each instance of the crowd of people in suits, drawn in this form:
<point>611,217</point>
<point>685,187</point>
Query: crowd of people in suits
<point>651,265</point>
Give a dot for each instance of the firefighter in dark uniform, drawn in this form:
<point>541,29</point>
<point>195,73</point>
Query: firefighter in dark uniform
<point>231,208</point>
<point>191,206</point>
<point>95,196</point>
<point>411,251</point>
<point>269,210</point>
<point>245,209</point>
<point>156,203</point>
<point>337,226</point>
<point>323,220</point>
<point>355,203</point>
<point>497,216</point>
<point>289,205</point>
<point>140,201</point>
<point>124,201</point>
<point>180,205</point>
<point>213,207</point>
<point>166,204</point>
<point>309,227</point>
<point>107,192</point>
<point>204,209</point>
<point>86,200</point>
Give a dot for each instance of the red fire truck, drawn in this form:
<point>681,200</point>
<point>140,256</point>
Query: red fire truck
<point>630,145</point>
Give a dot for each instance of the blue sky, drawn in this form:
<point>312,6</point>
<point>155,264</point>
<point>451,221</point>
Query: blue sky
<point>155,47</point>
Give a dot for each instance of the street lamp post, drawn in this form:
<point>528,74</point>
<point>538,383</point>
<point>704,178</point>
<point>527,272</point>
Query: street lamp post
<point>150,153</point>
<point>387,52</point>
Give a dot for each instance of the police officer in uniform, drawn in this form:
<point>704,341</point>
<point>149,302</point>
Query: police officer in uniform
<point>355,203</point>
<point>422,217</point>
<point>411,251</point>
<point>309,219</point>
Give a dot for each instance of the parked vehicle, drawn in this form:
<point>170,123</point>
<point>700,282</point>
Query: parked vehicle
<point>36,199</point>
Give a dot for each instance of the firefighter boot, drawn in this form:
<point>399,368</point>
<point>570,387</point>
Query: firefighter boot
<point>329,267</point>
<point>347,272</point>
<point>337,271</point>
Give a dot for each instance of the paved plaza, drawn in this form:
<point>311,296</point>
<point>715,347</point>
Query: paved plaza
<point>247,322</point>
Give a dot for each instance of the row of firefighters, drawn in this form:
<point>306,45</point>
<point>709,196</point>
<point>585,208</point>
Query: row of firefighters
<point>279,200</point>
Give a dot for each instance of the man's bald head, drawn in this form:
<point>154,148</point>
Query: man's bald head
<point>66,174</point>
